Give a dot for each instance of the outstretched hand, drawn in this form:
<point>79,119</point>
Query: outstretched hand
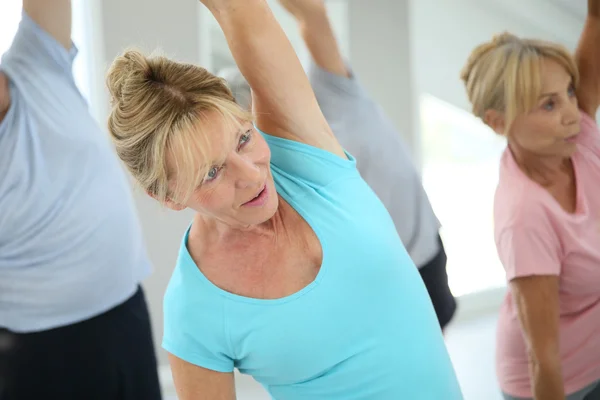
<point>303,9</point>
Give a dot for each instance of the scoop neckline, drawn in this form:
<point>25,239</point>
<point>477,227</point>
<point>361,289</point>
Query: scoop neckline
<point>188,262</point>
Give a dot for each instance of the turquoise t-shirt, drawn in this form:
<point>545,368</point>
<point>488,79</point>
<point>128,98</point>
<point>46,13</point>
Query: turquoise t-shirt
<point>365,328</point>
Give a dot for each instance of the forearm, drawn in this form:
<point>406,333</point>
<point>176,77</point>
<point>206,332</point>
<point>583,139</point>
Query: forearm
<point>53,16</point>
<point>547,381</point>
<point>588,61</point>
<point>320,40</point>
<point>594,8</point>
<point>263,53</point>
<point>537,301</point>
<point>589,45</point>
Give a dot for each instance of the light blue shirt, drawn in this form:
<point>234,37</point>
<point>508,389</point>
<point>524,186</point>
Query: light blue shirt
<point>70,242</point>
<point>365,328</point>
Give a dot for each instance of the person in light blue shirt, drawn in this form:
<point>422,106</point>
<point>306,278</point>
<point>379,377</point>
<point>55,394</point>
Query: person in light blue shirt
<point>73,320</point>
<point>292,270</point>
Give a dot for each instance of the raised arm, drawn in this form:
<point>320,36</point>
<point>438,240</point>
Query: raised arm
<point>4,96</point>
<point>536,300</point>
<point>318,35</point>
<point>53,16</point>
<point>588,61</point>
<point>283,100</point>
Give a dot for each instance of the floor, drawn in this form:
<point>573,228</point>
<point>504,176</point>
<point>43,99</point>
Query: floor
<point>471,347</point>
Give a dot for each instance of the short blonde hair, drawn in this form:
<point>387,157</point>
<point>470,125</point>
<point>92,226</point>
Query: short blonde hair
<point>505,74</point>
<point>160,110</point>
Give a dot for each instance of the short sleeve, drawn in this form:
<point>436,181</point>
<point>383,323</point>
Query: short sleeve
<point>308,165</point>
<point>34,54</point>
<point>527,251</point>
<point>590,134</point>
<point>195,332</point>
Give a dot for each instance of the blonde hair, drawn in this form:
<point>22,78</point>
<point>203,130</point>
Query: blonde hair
<point>505,74</point>
<point>160,109</point>
<point>238,85</point>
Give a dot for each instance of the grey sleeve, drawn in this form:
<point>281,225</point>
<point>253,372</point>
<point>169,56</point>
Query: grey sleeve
<point>336,94</point>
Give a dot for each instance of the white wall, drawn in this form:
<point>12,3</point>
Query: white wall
<point>380,52</point>
<point>444,32</point>
<point>399,53</point>
<point>172,26</point>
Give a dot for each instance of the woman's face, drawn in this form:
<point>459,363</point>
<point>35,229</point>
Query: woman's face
<point>550,128</point>
<point>238,189</point>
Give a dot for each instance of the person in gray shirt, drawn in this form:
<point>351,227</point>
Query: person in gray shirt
<point>368,134</point>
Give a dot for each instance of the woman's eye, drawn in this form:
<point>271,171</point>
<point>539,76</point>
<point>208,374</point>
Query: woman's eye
<point>245,138</point>
<point>212,174</point>
<point>549,106</point>
<point>571,91</point>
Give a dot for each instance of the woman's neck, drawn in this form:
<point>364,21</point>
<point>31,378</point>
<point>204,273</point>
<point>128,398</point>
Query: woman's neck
<point>544,170</point>
<point>227,235</point>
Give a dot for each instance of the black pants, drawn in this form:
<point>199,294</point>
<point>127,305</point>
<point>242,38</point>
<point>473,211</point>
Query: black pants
<point>436,280</point>
<point>108,357</point>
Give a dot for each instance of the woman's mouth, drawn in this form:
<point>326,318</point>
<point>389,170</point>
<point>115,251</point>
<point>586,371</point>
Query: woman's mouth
<point>259,200</point>
<point>572,138</point>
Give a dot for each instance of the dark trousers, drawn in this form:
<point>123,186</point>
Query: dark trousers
<point>108,357</point>
<point>435,278</point>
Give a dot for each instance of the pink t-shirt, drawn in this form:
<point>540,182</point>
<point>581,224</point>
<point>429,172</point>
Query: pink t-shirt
<point>535,236</point>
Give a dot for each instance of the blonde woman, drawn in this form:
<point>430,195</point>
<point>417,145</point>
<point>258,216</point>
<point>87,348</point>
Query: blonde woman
<point>382,158</point>
<point>547,209</point>
<point>292,270</point>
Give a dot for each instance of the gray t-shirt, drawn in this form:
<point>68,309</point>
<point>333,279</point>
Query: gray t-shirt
<point>383,160</point>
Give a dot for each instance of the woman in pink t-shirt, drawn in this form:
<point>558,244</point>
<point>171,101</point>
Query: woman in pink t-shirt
<point>546,210</point>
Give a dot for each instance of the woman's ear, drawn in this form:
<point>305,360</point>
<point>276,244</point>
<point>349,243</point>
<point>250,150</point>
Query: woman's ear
<point>495,120</point>
<point>174,206</point>
<point>168,203</point>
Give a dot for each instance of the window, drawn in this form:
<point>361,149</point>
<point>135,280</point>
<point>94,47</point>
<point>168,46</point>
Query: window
<point>81,37</point>
<point>9,21</point>
<point>460,174</point>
